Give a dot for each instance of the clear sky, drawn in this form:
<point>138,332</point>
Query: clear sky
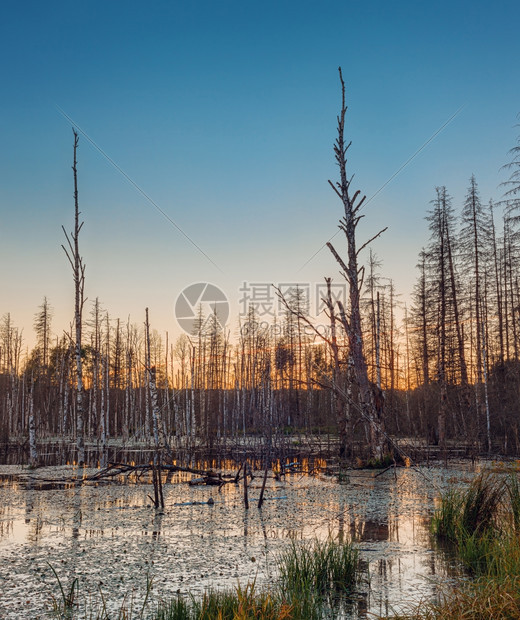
<point>224,114</point>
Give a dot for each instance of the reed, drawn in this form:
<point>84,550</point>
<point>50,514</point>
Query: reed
<point>474,521</point>
<point>482,523</point>
<point>484,599</point>
<point>319,567</point>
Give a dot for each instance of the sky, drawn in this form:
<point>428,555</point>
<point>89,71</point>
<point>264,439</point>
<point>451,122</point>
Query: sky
<point>218,118</point>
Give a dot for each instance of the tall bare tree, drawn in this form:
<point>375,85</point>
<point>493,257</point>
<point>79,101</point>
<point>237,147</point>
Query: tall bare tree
<point>497,274</point>
<point>512,185</point>
<point>353,273</point>
<point>78,276</point>
<point>474,246</point>
<point>42,327</point>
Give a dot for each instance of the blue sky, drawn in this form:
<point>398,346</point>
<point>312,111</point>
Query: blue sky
<point>224,114</point>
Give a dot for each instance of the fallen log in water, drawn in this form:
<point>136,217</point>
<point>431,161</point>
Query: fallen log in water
<point>114,470</point>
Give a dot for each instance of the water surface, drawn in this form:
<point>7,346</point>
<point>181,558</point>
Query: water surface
<point>110,538</point>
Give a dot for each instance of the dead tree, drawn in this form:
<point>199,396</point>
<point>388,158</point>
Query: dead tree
<point>78,276</point>
<point>342,398</point>
<point>342,408</point>
<point>351,317</point>
<point>152,386</point>
<point>151,374</point>
<point>33,453</point>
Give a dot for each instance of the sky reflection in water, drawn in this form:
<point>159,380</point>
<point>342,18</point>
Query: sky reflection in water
<point>110,538</point>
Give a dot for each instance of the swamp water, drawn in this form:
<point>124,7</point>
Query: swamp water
<point>109,537</point>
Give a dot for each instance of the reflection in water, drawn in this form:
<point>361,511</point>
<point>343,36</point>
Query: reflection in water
<point>341,520</point>
<point>368,530</point>
<point>246,523</point>
<point>157,523</point>
<point>191,545</point>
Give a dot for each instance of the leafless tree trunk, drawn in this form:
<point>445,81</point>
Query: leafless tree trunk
<point>33,453</point>
<point>78,275</point>
<point>498,285</point>
<point>354,275</point>
<point>342,408</point>
<point>486,395</point>
<point>151,375</point>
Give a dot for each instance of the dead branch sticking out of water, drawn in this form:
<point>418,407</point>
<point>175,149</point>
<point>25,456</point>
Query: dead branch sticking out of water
<point>124,469</point>
<point>114,471</point>
<point>246,499</point>
<point>158,500</point>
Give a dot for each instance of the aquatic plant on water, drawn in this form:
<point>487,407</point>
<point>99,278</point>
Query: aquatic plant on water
<point>314,578</point>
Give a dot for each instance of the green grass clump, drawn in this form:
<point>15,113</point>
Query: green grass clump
<point>317,577</point>
<point>319,567</point>
<point>474,520</point>
<point>483,525</point>
<point>446,521</point>
<point>469,512</point>
<point>481,504</point>
<point>176,609</point>
<point>513,491</point>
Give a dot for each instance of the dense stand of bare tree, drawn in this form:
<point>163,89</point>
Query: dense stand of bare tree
<point>135,384</point>
<point>448,372</point>
<point>463,328</point>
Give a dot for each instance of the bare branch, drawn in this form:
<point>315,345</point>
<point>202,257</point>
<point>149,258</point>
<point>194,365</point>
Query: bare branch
<point>68,238</point>
<point>355,208</point>
<point>344,320</point>
<point>334,188</point>
<point>67,255</point>
<point>339,259</point>
<point>361,273</point>
<point>370,240</point>
<point>299,315</point>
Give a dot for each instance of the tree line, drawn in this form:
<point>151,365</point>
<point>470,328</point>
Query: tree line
<point>443,370</point>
